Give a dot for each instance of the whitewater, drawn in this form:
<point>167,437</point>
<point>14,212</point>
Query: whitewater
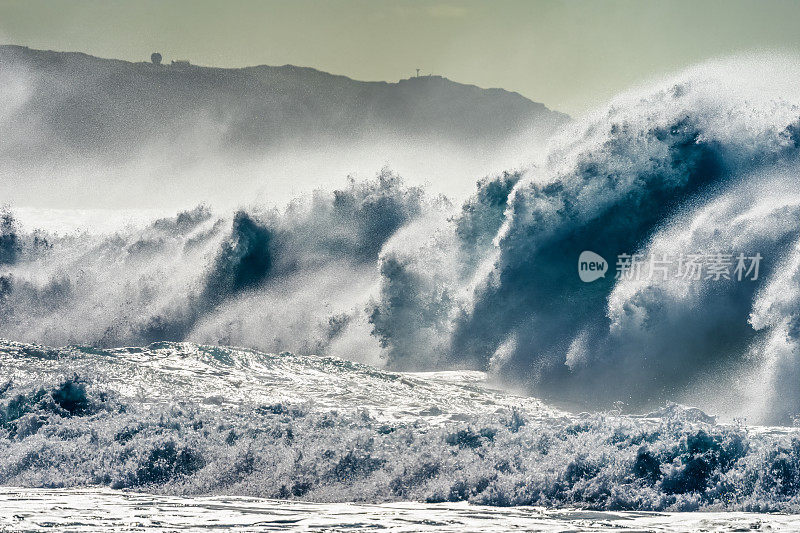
<point>402,347</point>
<point>172,423</point>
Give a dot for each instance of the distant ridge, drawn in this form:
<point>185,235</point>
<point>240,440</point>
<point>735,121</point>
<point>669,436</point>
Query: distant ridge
<point>82,103</point>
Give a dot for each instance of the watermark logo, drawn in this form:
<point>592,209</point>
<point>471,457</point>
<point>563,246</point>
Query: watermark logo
<point>700,266</point>
<point>591,266</point>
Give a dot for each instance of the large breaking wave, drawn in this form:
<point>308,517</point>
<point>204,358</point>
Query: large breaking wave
<point>704,161</point>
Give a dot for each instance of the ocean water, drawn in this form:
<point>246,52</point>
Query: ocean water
<point>109,510</point>
<point>406,348</point>
<point>180,419</point>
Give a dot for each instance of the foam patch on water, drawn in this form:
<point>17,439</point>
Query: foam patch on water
<point>180,419</point>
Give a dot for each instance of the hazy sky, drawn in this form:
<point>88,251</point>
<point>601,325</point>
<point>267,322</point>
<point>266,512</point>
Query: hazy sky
<point>568,55</point>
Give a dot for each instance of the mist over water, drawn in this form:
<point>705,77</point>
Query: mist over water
<point>179,175</point>
<point>85,132</point>
<point>383,271</point>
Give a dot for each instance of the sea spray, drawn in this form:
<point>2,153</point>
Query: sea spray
<point>705,161</point>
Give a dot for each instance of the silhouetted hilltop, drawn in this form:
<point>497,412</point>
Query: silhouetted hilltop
<point>83,103</point>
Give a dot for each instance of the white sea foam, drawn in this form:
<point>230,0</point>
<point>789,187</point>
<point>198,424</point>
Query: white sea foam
<point>182,420</point>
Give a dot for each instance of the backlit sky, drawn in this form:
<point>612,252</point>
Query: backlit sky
<point>568,55</point>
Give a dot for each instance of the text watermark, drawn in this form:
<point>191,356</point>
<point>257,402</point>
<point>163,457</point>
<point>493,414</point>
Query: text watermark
<point>700,266</point>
